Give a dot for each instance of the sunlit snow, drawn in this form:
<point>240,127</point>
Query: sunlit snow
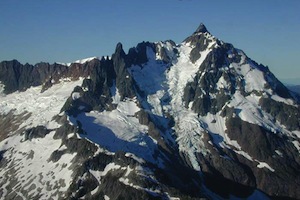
<point>81,61</point>
<point>42,106</point>
<point>265,165</point>
<point>118,130</point>
<point>188,129</point>
<point>33,171</point>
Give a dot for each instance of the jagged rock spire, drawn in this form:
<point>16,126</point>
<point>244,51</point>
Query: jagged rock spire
<point>201,29</point>
<point>119,47</point>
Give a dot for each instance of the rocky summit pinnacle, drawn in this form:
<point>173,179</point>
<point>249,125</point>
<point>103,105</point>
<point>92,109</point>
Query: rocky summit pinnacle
<point>201,29</point>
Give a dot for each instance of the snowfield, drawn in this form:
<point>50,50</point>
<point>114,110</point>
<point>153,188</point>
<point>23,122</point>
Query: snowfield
<point>41,106</point>
<point>28,161</point>
<point>118,130</point>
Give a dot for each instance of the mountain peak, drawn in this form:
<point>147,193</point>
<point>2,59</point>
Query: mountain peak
<point>119,50</point>
<point>125,121</point>
<point>119,47</point>
<point>201,29</point>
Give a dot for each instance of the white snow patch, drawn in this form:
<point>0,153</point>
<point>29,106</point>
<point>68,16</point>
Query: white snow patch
<point>128,107</point>
<point>115,94</point>
<point>297,133</point>
<point>171,198</point>
<point>65,64</point>
<point>139,160</point>
<point>81,61</point>
<point>106,197</point>
<point>42,106</point>
<point>222,83</point>
<point>253,77</point>
<point>125,181</point>
<point>215,124</point>
<point>278,152</point>
<point>2,89</point>
<point>245,154</point>
<point>296,144</point>
<point>128,171</point>
<point>246,108</point>
<point>283,100</point>
<point>94,191</point>
<point>265,165</point>
<point>75,95</point>
<point>98,174</point>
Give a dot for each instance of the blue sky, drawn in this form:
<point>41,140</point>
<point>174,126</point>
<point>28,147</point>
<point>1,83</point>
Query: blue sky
<point>67,30</point>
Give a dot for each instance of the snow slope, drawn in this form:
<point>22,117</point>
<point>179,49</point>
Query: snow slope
<point>41,106</point>
<point>118,130</point>
<point>188,129</point>
<point>81,61</point>
<point>28,161</point>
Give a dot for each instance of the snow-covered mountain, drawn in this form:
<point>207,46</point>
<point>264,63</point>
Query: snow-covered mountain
<point>192,120</point>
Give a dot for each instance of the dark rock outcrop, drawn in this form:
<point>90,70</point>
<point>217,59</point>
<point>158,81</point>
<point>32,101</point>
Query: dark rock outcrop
<point>36,132</point>
<point>124,81</point>
<point>263,148</point>
<point>18,77</point>
<point>202,86</point>
<point>95,91</point>
<point>201,29</point>
<point>286,114</point>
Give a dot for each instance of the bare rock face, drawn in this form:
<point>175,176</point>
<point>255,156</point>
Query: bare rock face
<point>16,76</point>
<point>201,29</point>
<point>36,132</point>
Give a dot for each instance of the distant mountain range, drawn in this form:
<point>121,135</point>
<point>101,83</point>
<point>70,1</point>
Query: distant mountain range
<point>292,84</point>
<point>295,88</point>
<point>291,81</point>
<point>195,120</point>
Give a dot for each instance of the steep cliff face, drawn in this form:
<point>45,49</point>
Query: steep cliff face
<point>192,120</point>
<point>18,77</point>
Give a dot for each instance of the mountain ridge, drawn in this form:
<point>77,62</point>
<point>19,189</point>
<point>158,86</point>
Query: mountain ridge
<point>124,121</point>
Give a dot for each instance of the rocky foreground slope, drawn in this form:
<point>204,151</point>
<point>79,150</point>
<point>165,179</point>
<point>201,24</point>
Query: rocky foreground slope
<point>165,121</point>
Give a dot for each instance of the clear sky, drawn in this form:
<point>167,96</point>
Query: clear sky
<point>67,30</point>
